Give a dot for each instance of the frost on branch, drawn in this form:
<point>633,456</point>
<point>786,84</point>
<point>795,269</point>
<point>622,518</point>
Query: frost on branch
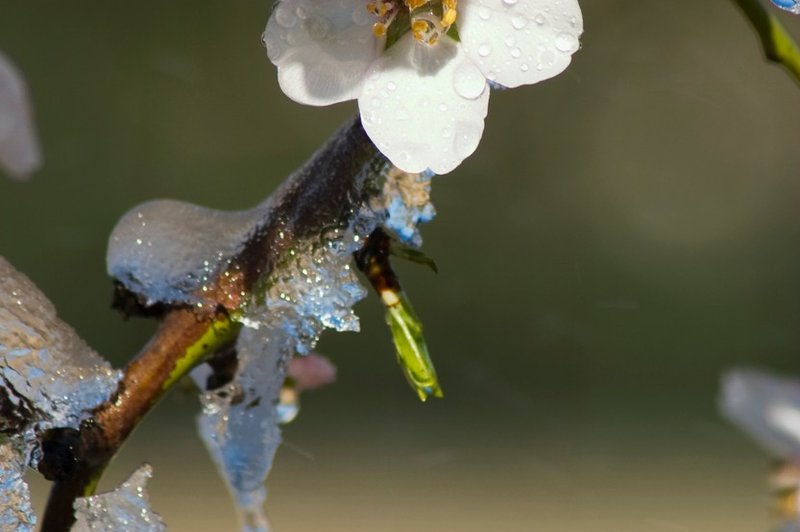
<point>15,504</point>
<point>20,154</point>
<point>126,508</point>
<point>301,284</point>
<point>49,377</point>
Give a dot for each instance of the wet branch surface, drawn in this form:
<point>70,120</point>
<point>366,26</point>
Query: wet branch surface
<point>325,193</point>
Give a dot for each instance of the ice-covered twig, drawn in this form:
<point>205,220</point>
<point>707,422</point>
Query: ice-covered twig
<point>326,193</point>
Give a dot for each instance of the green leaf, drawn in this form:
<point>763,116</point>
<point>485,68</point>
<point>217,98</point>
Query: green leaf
<point>413,255</point>
<point>412,351</point>
<point>778,44</point>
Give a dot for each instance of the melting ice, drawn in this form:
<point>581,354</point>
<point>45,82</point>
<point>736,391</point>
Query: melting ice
<point>15,500</point>
<point>20,154</point>
<point>126,508</point>
<point>49,377</point>
<point>166,251</point>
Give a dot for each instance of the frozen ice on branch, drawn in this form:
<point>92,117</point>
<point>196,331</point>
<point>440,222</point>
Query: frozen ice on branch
<point>49,377</point>
<point>283,269</point>
<point>126,508</point>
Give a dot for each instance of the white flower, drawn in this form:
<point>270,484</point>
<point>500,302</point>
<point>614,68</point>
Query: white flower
<point>423,99</point>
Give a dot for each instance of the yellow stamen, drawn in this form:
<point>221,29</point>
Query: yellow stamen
<point>379,29</point>
<point>414,4</point>
<point>449,17</point>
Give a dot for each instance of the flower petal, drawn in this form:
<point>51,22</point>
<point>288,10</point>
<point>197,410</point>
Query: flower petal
<point>423,106</point>
<point>519,42</point>
<point>322,48</point>
<point>20,153</point>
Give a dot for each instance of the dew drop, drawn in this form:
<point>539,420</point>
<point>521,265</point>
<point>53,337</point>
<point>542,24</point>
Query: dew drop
<point>540,20</point>
<point>468,81</point>
<point>509,2</point>
<point>566,42</point>
<point>484,13</point>
<point>284,16</point>
<point>515,53</point>
<point>391,86</point>
<point>317,28</point>
<point>484,49</point>
<point>519,22</point>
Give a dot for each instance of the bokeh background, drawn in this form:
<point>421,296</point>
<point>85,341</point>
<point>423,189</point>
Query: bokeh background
<point>625,233</point>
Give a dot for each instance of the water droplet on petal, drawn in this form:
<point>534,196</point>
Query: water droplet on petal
<point>519,21</point>
<point>484,13</point>
<point>515,53</point>
<point>566,42</point>
<point>509,2</point>
<point>484,49</point>
<point>284,16</point>
<point>391,85</point>
<point>468,81</point>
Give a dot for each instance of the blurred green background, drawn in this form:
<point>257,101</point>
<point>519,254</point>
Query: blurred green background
<point>624,233</point>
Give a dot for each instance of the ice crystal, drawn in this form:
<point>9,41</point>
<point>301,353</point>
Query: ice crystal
<point>48,376</point>
<point>167,251</point>
<point>15,504</point>
<point>766,407</point>
<point>407,203</point>
<point>20,154</point>
<point>126,508</point>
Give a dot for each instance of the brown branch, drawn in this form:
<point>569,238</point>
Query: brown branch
<point>325,193</point>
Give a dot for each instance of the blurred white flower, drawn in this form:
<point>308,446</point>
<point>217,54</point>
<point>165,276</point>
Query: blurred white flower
<point>20,154</point>
<point>766,407</point>
<point>423,97</point>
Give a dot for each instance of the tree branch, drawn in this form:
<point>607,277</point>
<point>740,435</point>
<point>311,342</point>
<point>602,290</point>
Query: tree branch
<point>325,193</point>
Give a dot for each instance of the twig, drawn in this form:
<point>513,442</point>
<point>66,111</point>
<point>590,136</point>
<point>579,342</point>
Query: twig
<point>326,192</point>
<point>779,46</point>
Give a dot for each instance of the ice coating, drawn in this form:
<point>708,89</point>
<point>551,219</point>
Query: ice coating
<point>792,6</point>
<point>126,508</point>
<point>407,202</point>
<point>766,407</point>
<point>314,289</point>
<point>296,251</point>
<point>167,250</point>
<point>20,154</point>
<point>48,375</point>
<point>239,422</point>
<point>15,500</point>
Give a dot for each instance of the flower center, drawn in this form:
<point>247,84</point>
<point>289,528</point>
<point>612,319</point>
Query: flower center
<point>428,20</point>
